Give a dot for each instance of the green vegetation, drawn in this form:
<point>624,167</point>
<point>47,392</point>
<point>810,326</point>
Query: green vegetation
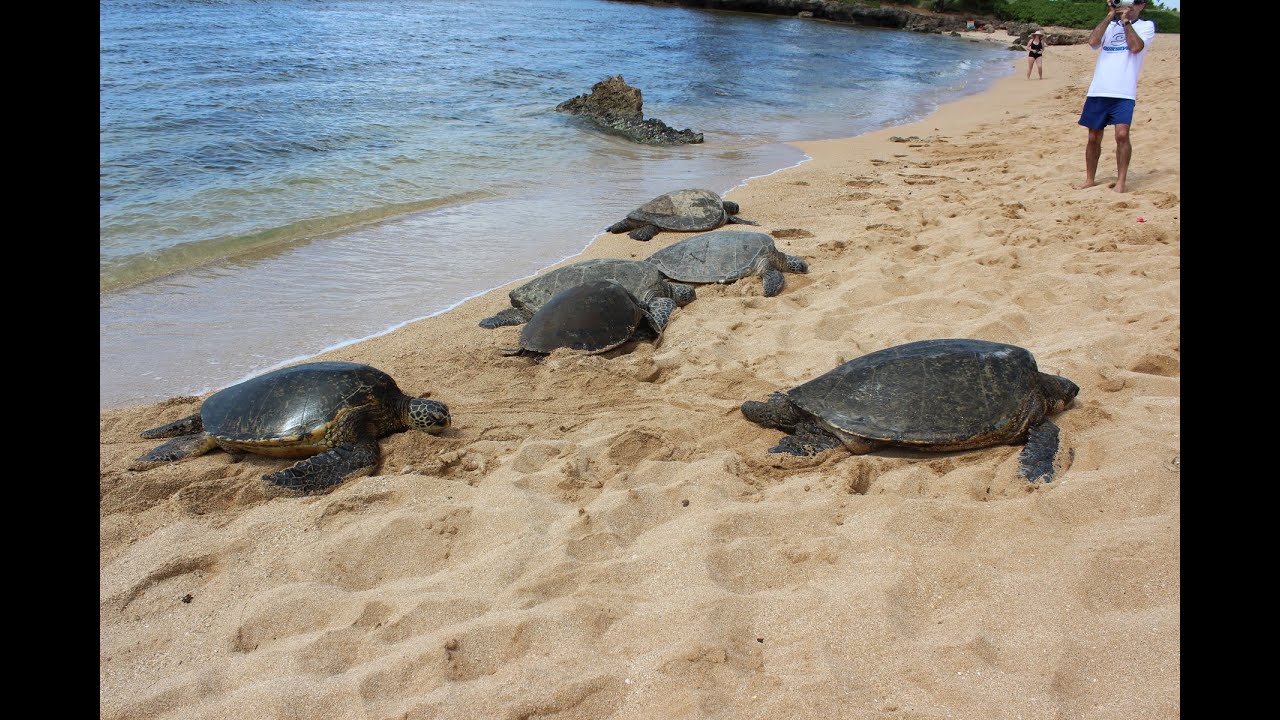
<point>1083,14</point>
<point>975,7</point>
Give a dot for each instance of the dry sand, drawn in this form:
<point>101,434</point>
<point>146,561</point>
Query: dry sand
<point>608,537</point>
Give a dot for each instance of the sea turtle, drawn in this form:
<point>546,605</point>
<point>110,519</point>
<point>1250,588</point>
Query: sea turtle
<point>726,256</point>
<point>331,413</point>
<point>594,317</point>
<point>936,395</point>
<point>680,210</point>
<point>644,281</point>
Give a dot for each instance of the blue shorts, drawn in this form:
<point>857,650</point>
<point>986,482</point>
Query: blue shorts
<point>1100,112</point>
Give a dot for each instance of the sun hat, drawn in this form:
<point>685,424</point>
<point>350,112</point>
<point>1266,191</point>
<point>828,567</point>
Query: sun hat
<point>1037,32</point>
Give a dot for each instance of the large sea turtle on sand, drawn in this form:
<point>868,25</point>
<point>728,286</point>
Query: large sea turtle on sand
<point>726,256</point>
<point>936,395</point>
<point>592,318</point>
<point>680,210</point>
<point>331,413</point>
<point>644,281</point>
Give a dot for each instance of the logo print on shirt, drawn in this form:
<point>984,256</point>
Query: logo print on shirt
<point>1116,42</point>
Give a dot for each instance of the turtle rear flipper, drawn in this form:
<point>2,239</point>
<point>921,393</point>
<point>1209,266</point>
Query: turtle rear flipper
<point>179,448</point>
<point>329,468</point>
<point>734,219</point>
<point>189,425</point>
<point>1035,463</point>
<point>510,316</point>
<point>644,232</point>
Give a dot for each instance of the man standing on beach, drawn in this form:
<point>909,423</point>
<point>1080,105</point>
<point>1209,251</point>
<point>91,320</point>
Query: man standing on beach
<point>1123,39</point>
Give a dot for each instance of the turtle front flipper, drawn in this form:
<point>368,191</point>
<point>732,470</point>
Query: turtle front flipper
<point>510,316</point>
<point>808,440</point>
<point>189,425</point>
<point>795,264</point>
<point>329,468</point>
<point>734,219</point>
<point>659,313</point>
<point>179,448</point>
<point>644,232</point>
<point>773,282</point>
<point>1035,463</point>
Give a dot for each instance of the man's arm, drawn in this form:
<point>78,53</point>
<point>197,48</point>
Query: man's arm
<point>1095,37</point>
<point>1131,36</point>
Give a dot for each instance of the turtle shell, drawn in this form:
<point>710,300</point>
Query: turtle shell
<point>954,392</point>
<point>682,210</point>
<point>287,412</point>
<point>640,278</point>
<point>723,256</point>
<point>593,317</point>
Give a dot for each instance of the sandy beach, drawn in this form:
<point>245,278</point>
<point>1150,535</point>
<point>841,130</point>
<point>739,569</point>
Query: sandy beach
<point>606,536</point>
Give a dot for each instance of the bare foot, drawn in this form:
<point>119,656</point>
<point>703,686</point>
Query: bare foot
<point>1087,184</point>
<point>1117,188</point>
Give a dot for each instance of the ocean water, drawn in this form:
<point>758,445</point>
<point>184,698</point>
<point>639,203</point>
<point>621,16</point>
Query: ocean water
<point>281,177</point>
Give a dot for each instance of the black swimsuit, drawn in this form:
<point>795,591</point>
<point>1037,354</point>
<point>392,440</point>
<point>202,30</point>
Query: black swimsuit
<point>1035,49</point>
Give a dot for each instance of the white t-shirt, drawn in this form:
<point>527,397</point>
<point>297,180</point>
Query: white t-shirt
<point>1116,74</point>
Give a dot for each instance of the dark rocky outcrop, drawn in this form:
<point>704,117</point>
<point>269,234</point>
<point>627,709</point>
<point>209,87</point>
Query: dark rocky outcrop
<point>1059,37</point>
<point>616,107</point>
<point>898,18</point>
<point>886,17</point>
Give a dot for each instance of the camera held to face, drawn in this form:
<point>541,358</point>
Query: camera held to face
<point>1121,3</point>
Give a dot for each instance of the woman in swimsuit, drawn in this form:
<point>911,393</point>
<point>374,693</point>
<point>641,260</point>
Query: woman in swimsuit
<point>1035,49</point>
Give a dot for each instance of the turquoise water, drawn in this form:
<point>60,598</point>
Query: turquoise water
<point>279,177</point>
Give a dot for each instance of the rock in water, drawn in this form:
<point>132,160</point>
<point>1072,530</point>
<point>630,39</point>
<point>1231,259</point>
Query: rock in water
<point>615,106</point>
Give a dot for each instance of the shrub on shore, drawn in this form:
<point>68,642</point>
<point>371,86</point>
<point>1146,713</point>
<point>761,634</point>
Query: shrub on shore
<point>1083,14</point>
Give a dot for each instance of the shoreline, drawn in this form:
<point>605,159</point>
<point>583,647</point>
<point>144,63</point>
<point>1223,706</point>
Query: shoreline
<point>156,370</point>
<point>606,536</point>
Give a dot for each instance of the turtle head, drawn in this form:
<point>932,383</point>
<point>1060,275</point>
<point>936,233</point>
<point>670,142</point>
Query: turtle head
<point>731,207</point>
<point>796,264</point>
<point>682,294</point>
<point>427,415</point>
<point>776,412</point>
<point>1058,391</point>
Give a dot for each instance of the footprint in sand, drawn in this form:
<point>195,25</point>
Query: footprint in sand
<point>789,233</point>
<point>403,544</point>
<point>893,230</point>
<point>173,581</point>
<point>1164,201</point>
<point>1162,365</point>
<point>922,179</point>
